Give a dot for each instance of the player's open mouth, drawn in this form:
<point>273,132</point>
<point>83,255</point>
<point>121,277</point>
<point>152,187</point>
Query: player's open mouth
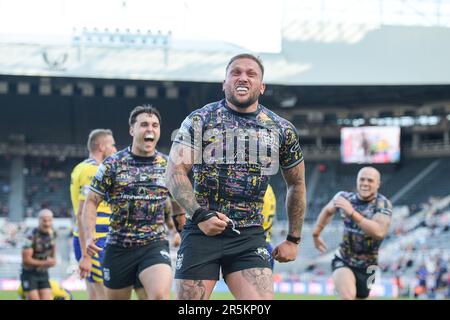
<point>149,137</point>
<point>242,89</point>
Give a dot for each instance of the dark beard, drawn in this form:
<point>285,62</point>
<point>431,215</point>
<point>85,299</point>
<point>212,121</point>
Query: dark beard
<point>241,105</point>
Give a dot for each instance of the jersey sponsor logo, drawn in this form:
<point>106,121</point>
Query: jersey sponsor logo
<point>106,274</point>
<point>234,146</point>
<point>179,263</point>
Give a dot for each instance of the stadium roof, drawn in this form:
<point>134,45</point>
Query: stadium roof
<point>308,46</point>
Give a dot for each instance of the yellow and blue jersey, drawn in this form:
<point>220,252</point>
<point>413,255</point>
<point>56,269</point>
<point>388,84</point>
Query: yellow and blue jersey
<point>268,211</point>
<point>81,179</point>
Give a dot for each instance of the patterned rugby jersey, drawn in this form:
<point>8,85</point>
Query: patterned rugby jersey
<point>357,248</point>
<point>134,186</point>
<point>235,155</point>
<point>42,243</point>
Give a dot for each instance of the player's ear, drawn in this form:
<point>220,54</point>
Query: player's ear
<point>131,132</point>
<point>263,88</point>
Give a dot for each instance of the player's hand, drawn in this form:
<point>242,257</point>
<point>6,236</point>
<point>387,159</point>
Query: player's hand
<point>215,225</point>
<point>344,204</point>
<point>176,240</point>
<point>92,248</point>
<point>285,252</point>
<point>319,244</point>
<point>50,262</point>
<point>85,266</point>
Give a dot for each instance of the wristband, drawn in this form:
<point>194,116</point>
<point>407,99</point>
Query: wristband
<point>293,239</point>
<point>202,214</point>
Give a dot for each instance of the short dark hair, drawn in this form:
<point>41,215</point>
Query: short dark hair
<point>246,56</point>
<point>143,109</point>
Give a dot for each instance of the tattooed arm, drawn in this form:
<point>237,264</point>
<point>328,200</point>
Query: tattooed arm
<point>177,180</point>
<point>296,207</point>
<point>295,198</point>
<point>180,163</point>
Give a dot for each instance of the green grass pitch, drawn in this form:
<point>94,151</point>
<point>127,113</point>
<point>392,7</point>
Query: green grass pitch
<point>82,295</point>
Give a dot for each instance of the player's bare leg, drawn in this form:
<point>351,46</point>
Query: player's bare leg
<point>141,294</point>
<point>251,284</point>
<point>157,281</point>
<point>345,283</point>
<point>119,294</point>
<point>194,289</point>
<point>32,295</point>
<point>45,294</point>
<point>96,291</point>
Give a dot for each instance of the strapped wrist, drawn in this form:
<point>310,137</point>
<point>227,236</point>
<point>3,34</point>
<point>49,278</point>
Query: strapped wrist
<point>293,239</point>
<point>201,215</point>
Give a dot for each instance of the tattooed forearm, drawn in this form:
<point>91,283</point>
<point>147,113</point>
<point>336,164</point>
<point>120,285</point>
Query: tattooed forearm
<point>259,278</point>
<point>295,198</point>
<point>296,205</point>
<point>181,189</point>
<point>191,290</point>
<point>181,160</point>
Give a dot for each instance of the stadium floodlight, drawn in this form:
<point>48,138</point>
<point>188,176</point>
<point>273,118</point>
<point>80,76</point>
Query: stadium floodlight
<point>87,89</point>
<point>66,89</point>
<point>4,87</point>
<point>172,93</point>
<point>109,91</point>
<point>45,88</point>
<point>23,88</point>
<point>130,91</point>
<point>151,92</point>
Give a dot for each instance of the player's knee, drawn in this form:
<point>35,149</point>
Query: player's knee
<point>159,295</point>
<point>348,295</point>
<point>266,296</point>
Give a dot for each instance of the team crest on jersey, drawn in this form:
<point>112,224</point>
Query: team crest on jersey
<point>106,274</point>
<point>165,254</point>
<point>263,253</point>
<point>179,261</point>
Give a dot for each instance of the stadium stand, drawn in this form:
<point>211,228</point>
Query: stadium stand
<point>46,183</point>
